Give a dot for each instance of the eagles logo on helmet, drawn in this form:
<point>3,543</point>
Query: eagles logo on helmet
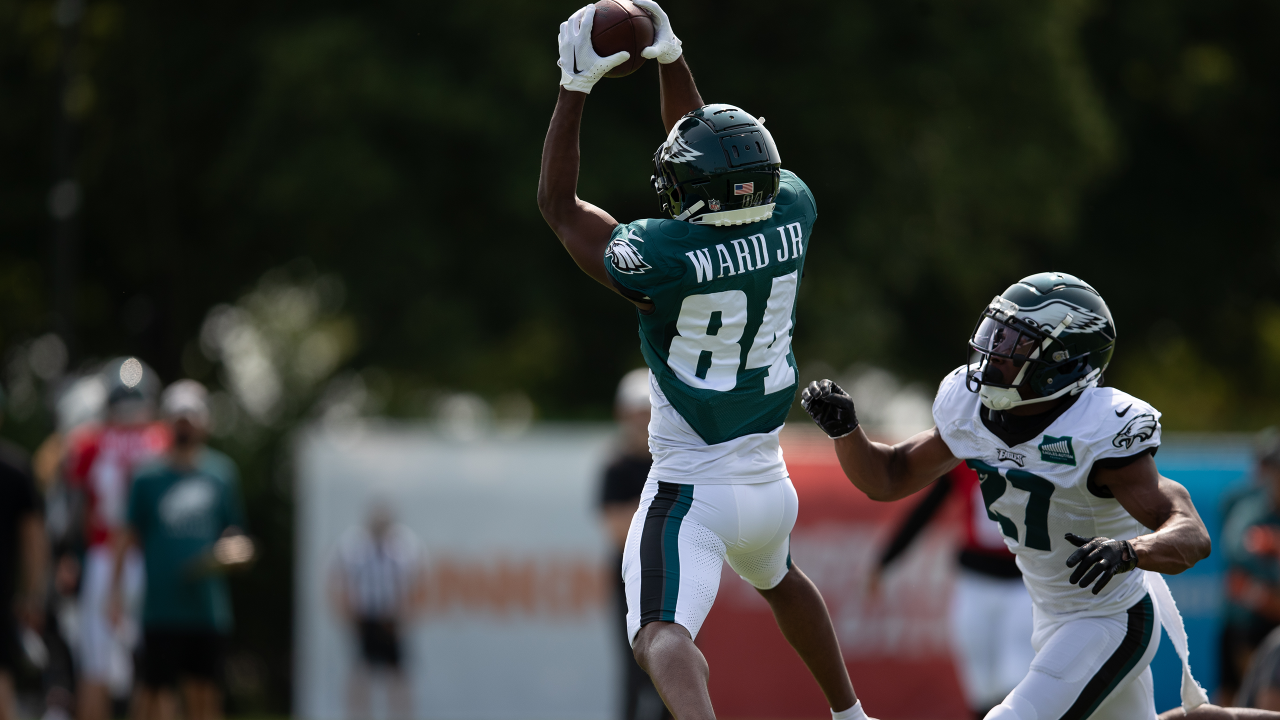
<point>716,166</point>
<point>1055,329</point>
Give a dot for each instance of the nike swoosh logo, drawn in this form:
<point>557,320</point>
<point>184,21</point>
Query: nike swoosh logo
<point>575,62</point>
<point>1122,413</point>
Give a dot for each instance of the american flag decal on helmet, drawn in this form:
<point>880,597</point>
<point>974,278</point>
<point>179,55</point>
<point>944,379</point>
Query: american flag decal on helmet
<point>744,188</point>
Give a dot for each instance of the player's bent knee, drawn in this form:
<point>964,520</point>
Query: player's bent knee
<point>787,577</point>
<point>768,586</point>
<point>653,637</point>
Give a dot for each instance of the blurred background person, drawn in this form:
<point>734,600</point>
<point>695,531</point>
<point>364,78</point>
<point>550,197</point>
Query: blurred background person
<point>1260,685</point>
<point>990,614</point>
<point>378,586</point>
<point>185,515</point>
<point>1251,549</point>
<point>101,463</point>
<point>23,565</point>
<point>621,485</point>
<point>79,410</point>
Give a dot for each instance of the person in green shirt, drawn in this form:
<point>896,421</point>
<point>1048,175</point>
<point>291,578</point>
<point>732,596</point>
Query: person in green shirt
<point>714,283</point>
<point>184,513</point>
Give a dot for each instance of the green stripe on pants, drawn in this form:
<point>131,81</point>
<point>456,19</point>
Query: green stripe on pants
<point>671,550</point>
<point>1137,638</point>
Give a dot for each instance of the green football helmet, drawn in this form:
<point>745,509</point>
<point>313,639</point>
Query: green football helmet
<point>718,166</point>
<point>1055,329</point>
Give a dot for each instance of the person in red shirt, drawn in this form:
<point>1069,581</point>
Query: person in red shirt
<point>101,463</point>
<point>991,619</point>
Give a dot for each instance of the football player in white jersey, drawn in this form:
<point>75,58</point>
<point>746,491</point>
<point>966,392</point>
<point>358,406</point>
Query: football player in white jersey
<point>1067,470</point>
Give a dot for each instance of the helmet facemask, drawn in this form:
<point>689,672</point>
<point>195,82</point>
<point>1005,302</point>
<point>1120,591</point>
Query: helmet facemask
<point>666,186</point>
<point>1036,357</point>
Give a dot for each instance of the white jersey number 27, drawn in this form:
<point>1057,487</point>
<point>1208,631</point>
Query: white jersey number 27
<point>721,342</point>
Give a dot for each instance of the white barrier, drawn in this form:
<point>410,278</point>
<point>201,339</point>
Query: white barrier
<point>516,624</point>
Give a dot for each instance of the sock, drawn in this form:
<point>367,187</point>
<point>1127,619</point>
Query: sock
<point>853,713</point>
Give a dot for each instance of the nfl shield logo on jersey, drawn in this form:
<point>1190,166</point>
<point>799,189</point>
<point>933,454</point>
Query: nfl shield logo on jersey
<point>1057,450</point>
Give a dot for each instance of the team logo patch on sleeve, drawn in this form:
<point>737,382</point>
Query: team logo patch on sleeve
<point>1140,428</point>
<point>1057,450</point>
<point>625,257</point>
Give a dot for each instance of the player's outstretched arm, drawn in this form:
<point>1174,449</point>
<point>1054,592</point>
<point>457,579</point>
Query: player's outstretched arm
<point>583,228</point>
<point>678,93</point>
<point>1178,542</point>
<point>883,472</point>
<point>1180,539</point>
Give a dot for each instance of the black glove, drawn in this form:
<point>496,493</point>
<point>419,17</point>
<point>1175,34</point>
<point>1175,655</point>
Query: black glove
<point>1101,559</point>
<point>830,407</point>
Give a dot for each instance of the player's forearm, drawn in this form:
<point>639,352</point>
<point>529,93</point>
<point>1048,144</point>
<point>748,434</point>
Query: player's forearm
<point>679,94</point>
<point>1180,538</point>
<point>558,182</point>
<point>876,469</point>
<point>1176,546</point>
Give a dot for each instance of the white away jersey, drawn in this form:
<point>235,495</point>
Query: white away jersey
<point>680,455</point>
<point>1038,491</point>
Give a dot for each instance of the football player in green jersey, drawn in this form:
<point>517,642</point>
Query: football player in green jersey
<point>714,283</point>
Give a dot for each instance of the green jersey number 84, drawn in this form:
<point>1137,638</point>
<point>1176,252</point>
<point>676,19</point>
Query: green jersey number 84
<point>708,352</point>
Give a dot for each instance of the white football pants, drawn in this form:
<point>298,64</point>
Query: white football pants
<point>1089,668</point>
<point>106,650</point>
<point>681,535</point>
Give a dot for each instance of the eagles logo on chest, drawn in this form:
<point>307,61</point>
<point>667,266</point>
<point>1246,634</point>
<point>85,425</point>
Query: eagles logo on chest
<point>1017,458</point>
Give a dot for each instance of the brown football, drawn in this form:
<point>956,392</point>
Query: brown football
<point>620,25</point>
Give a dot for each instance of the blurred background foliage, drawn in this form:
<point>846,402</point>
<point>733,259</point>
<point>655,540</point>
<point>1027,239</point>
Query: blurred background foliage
<point>326,210</point>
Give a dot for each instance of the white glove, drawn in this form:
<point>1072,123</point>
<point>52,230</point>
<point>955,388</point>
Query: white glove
<point>666,46</point>
<point>580,66</point>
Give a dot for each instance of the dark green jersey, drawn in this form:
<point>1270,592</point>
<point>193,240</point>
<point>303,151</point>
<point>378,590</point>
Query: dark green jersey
<point>719,336</point>
<point>178,515</point>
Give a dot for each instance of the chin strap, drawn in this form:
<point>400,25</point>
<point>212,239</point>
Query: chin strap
<point>690,210</point>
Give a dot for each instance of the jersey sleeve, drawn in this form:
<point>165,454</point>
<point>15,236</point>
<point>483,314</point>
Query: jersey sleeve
<point>1126,427</point>
<point>791,189</point>
<point>946,402</point>
<point>633,267</point>
<point>84,450</point>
